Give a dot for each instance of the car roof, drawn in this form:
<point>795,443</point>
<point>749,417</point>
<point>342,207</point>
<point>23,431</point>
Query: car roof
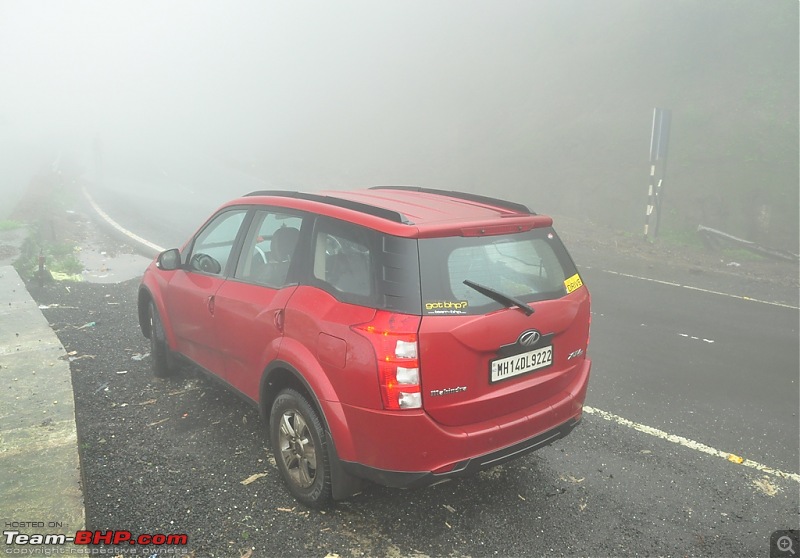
<point>409,211</point>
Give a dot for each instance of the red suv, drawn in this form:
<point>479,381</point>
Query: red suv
<point>396,334</point>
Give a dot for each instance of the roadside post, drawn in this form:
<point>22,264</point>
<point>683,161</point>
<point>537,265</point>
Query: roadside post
<point>41,268</point>
<point>659,143</point>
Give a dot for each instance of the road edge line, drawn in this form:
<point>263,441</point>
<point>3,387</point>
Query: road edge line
<point>691,444</point>
<point>671,284</point>
<point>131,235</point>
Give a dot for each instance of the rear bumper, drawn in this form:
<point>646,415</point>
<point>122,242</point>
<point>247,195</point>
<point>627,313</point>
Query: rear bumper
<point>409,448</point>
<point>403,479</point>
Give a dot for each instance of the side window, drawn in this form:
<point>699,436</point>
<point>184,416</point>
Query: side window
<point>343,260</point>
<point>212,247</point>
<point>269,248</point>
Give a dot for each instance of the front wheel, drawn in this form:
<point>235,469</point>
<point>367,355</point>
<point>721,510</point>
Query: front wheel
<point>159,351</point>
<point>298,443</point>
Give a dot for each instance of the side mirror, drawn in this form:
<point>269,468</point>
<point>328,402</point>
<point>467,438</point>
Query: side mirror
<point>169,260</point>
<point>206,264</point>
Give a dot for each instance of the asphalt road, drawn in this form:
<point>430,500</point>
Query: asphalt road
<point>715,370</point>
<point>166,204</point>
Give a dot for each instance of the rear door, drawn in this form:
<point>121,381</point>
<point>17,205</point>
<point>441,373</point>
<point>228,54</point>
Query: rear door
<point>339,291</point>
<point>483,354</point>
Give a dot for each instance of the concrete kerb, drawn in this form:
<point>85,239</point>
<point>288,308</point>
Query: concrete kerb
<point>40,484</point>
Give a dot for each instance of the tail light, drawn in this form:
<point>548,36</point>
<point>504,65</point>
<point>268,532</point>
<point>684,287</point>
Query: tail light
<point>394,338</point>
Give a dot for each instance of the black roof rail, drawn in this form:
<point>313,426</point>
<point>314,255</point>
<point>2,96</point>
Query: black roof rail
<point>381,212</point>
<point>518,207</point>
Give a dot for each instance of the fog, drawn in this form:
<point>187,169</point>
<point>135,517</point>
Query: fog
<point>549,102</point>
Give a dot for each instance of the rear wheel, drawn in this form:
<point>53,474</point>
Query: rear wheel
<point>301,454</point>
<point>159,352</point>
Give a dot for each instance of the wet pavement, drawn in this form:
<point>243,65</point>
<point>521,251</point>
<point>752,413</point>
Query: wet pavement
<point>38,438</point>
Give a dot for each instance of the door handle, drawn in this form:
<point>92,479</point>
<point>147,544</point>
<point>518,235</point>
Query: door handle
<point>278,320</point>
<point>211,304</point>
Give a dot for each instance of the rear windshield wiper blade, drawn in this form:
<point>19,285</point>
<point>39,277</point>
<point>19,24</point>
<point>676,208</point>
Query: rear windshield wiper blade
<point>504,299</point>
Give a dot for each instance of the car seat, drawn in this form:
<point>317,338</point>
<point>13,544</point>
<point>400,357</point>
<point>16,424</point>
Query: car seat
<point>282,246</point>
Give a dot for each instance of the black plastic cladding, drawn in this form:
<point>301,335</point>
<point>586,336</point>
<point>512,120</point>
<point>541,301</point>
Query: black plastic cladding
<point>387,214</point>
<point>399,276</point>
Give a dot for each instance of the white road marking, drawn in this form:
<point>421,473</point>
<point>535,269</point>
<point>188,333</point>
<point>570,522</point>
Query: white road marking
<point>119,227</point>
<point>741,297</point>
<point>642,278</point>
<point>691,444</point>
<point>699,289</point>
<point>696,338</point>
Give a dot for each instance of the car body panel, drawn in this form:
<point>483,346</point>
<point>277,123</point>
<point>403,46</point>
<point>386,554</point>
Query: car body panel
<point>456,352</point>
<point>247,332</point>
<point>188,301</point>
<point>412,441</point>
<point>315,319</point>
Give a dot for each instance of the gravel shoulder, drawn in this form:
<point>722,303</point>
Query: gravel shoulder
<point>739,273</point>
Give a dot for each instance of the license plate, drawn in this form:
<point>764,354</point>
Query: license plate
<point>508,367</point>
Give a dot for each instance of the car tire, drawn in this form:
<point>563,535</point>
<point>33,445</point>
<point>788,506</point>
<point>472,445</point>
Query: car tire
<point>299,446</point>
<point>159,351</point>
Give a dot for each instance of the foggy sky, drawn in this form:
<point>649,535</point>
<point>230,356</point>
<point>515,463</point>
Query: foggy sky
<point>459,94</point>
<point>242,77</point>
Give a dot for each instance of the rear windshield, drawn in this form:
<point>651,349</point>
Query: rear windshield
<point>527,266</point>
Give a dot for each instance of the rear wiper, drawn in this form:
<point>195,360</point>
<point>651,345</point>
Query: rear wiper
<point>504,299</point>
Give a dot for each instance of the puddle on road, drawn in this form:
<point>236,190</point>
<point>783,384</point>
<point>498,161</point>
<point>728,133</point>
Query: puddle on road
<point>103,267</point>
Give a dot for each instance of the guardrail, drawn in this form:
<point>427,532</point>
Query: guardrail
<point>715,240</point>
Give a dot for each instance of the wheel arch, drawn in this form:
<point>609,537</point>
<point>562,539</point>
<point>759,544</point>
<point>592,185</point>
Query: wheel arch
<point>144,298</point>
<point>280,375</point>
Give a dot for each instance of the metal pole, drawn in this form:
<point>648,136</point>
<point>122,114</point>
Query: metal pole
<point>650,201</point>
<point>659,142</point>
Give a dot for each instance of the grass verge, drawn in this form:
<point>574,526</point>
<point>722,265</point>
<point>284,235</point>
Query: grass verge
<point>10,225</point>
<point>59,257</point>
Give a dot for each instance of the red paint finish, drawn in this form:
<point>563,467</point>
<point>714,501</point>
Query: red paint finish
<point>372,316</point>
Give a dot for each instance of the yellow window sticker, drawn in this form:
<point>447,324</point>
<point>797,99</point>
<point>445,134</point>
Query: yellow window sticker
<point>446,307</point>
<point>573,283</point>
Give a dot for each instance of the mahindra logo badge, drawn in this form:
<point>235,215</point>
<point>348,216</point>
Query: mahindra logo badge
<point>529,338</point>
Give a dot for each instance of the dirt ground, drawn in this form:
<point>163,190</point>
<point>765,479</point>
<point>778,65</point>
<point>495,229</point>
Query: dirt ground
<point>590,242</point>
<point>57,213</point>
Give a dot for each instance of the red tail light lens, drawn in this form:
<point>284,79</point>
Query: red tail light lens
<point>394,338</point>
